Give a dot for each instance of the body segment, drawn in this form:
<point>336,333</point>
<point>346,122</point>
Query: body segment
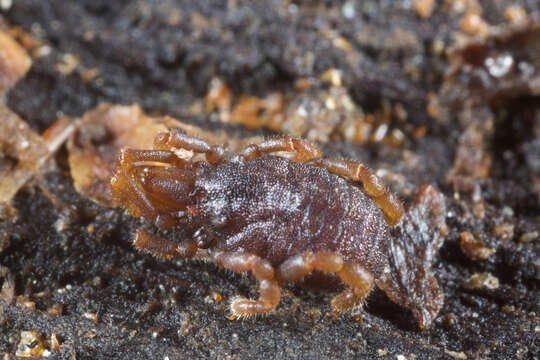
<point>275,208</point>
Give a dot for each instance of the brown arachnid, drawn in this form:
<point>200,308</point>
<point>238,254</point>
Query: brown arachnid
<point>298,220</point>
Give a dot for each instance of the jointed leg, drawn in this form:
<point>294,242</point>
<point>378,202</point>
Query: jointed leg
<point>360,281</point>
<point>297,267</point>
<point>168,188</point>
<point>303,151</point>
<point>176,138</point>
<point>130,158</point>
<point>374,186</point>
<point>264,272</point>
<point>152,191</point>
<point>354,275</point>
<point>135,200</point>
<point>163,248</point>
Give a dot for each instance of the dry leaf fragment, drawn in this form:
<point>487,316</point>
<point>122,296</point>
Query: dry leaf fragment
<point>418,238</point>
<point>21,153</point>
<point>94,147</point>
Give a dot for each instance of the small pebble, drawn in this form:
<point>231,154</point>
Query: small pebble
<point>529,237</point>
<point>482,280</point>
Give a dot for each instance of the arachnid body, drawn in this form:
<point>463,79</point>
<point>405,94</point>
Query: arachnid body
<point>284,220</point>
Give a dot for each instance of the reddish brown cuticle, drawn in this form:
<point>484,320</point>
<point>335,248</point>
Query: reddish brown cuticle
<point>283,220</point>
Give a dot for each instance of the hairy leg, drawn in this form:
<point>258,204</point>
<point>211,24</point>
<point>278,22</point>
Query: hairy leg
<point>168,188</point>
<point>152,184</point>
<point>130,158</point>
<point>354,275</point>
<point>360,281</point>
<point>297,267</point>
<point>303,151</point>
<point>163,248</point>
<point>176,138</point>
<point>269,292</point>
<point>373,185</point>
<point>135,200</point>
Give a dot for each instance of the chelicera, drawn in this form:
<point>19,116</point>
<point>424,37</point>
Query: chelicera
<point>300,219</point>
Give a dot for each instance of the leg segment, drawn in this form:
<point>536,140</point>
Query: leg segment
<point>176,138</point>
<point>168,188</point>
<point>163,248</point>
<point>354,275</point>
<point>130,158</point>
<point>152,191</point>
<point>135,200</point>
<point>264,272</point>
<point>303,151</point>
<point>297,267</point>
<point>360,281</point>
<point>373,185</point>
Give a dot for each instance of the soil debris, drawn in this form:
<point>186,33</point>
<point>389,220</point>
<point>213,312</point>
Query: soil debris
<point>14,63</point>
<point>475,249</point>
